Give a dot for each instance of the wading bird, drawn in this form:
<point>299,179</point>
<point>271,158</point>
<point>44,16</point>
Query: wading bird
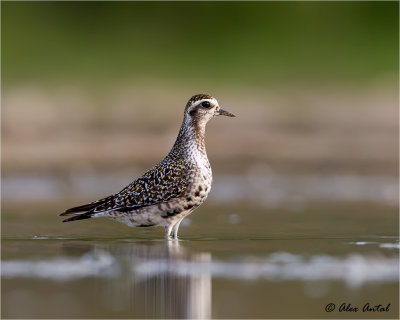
<point>173,188</point>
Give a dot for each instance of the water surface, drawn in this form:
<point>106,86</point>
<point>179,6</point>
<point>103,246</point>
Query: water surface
<point>248,262</point>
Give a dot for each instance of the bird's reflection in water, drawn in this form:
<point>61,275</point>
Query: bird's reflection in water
<point>153,283</point>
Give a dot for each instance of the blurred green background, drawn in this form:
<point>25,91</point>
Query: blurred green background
<point>235,43</point>
<point>99,87</point>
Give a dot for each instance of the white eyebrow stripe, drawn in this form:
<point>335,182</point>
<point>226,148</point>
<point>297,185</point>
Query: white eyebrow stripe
<point>201,101</point>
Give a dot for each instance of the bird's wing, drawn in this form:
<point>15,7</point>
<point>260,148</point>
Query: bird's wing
<point>159,184</point>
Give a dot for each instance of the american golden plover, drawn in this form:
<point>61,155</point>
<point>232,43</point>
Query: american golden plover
<point>173,188</point>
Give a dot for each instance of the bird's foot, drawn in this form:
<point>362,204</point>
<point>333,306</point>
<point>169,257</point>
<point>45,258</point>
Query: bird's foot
<point>172,237</point>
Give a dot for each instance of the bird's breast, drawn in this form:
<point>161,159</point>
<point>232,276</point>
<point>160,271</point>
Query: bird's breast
<point>201,177</point>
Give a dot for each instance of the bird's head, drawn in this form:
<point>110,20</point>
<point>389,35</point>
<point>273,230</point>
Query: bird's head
<point>202,107</point>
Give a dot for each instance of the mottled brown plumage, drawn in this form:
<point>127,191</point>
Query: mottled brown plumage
<point>173,188</point>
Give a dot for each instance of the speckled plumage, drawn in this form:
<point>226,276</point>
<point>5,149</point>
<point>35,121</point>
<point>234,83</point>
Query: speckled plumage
<point>173,188</point>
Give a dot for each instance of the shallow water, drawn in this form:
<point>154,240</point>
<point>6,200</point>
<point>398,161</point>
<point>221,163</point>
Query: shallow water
<point>230,263</point>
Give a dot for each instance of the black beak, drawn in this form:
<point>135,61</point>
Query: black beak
<point>222,112</point>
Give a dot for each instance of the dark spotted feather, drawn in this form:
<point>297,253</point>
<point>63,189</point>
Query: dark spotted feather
<point>161,183</point>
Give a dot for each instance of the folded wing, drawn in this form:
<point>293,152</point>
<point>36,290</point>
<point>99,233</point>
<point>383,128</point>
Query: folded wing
<point>160,184</point>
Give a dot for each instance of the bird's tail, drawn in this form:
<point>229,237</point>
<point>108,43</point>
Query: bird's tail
<point>82,216</point>
<point>80,212</point>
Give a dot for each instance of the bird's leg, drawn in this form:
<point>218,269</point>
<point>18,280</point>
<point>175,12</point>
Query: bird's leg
<point>168,229</point>
<point>175,229</point>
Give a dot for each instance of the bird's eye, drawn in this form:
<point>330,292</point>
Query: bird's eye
<point>206,104</point>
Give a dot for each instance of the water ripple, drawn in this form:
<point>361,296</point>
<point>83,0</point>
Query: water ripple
<point>354,269</point>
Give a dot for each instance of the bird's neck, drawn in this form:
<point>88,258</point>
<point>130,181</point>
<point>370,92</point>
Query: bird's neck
<point>191,136</point>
